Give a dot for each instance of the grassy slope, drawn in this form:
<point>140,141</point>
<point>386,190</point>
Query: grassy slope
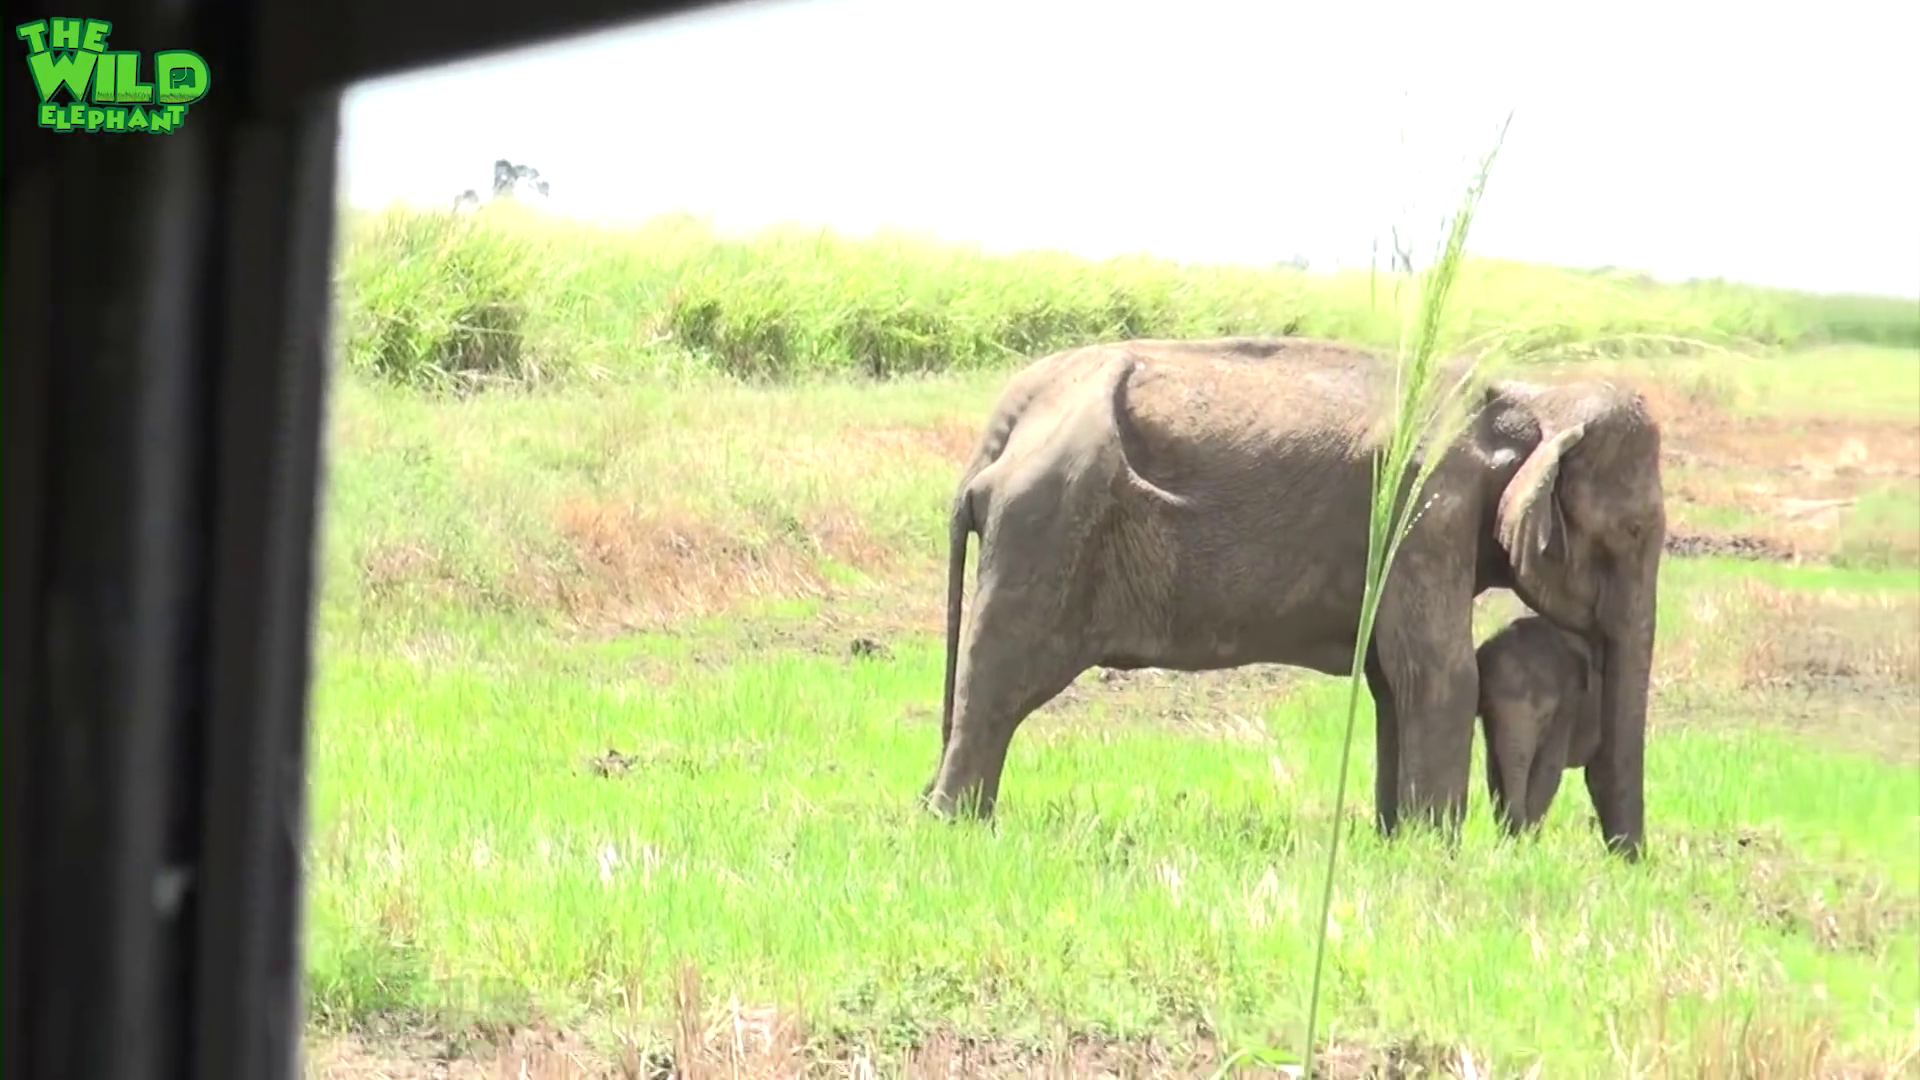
<point>660,581</point>
<point>506,295</point>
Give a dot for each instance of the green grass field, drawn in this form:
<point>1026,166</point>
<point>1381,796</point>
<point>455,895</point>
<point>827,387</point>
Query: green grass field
<point>629,672</point>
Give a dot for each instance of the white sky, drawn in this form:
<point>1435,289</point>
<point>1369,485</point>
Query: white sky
<point>1774,144</point>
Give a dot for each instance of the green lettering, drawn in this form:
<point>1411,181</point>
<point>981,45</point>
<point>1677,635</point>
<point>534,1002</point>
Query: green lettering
<point>73,70</point>
<point>34,34</point>
<point>49,112</point>
<point>66,33</point>
<point>96,35</point>
<point>104,69</point>
<point>116,119</point>
<point>96,118</point>
<point>127,79</point>
<point>160,121</point>
<point>137,119</point>
<point>180,76</point>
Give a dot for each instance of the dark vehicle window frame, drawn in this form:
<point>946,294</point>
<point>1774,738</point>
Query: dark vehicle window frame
<point>166,373</point>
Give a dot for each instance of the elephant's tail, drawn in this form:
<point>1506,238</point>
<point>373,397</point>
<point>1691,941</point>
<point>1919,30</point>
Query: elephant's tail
<point>959,529</point>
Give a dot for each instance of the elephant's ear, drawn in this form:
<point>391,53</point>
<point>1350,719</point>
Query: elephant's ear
<point>1529,519</point>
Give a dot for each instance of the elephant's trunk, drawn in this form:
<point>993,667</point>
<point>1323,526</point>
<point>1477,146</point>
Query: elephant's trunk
<point>1616,774</point>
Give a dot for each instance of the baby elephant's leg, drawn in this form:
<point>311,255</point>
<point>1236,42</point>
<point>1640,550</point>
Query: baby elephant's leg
<point>1549,763</point>
<point>1496,778</point>
<point>1510,752</point>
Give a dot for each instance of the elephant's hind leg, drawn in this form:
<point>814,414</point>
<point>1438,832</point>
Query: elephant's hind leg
<point>1014,659</point>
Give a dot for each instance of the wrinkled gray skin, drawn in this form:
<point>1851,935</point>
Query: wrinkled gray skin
<point>1202,505</point>
<point>1540,711</point>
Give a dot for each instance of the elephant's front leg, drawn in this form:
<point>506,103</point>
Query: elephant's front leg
<point>1386,748</point>
<point>1435,687</point>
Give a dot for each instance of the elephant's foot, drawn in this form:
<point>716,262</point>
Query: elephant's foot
<point>970,803</point>
<point>1630,848</point>
<point>1446,817</point>
<point>1512,822</point>
<point>1386,822</point>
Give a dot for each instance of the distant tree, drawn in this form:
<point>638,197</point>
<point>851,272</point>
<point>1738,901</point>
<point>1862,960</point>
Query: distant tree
<point>507,177</point>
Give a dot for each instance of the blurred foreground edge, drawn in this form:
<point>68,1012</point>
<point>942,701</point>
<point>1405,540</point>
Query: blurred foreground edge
<point>165,377</point>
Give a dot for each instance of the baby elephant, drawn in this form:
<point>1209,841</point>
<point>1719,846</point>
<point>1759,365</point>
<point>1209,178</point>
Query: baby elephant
<point>1540,710</point>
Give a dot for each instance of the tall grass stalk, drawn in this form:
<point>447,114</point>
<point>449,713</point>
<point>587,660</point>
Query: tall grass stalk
<point>1429,413</point>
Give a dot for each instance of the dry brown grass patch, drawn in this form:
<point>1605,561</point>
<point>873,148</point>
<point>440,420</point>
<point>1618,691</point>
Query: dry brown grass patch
<point>856,452</point>
<point>1843,453</point>
<point>1856,913</point>
<point>840,534</point>
<point>634,567</point>
<point>1763,1048</point>
<point>1699,429</point>
<point>949,440</point>
<point>746,1049</point>
<point>1842,640</point>
<point>1843,667</point>
<point>533,1054</point>
<point>391,570</point>
<point>704,1038</point>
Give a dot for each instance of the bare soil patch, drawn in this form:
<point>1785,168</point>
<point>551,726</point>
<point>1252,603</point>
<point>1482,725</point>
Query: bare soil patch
<point>1794,480</point>
<point>765,1043</point>
<point>761,1043</point>
<point>1698,424</point>
<point>533,1054</point>
<point>1839,453</point>
<point>1208,704</point>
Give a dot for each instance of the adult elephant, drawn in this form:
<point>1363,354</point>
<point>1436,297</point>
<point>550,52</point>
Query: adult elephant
<point>1200,505</point>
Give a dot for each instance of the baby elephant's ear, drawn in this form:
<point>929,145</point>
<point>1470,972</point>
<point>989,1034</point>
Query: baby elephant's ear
<point>1528,521</point>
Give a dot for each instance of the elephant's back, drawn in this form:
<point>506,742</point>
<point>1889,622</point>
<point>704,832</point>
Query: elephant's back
<point>1189,410</point>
